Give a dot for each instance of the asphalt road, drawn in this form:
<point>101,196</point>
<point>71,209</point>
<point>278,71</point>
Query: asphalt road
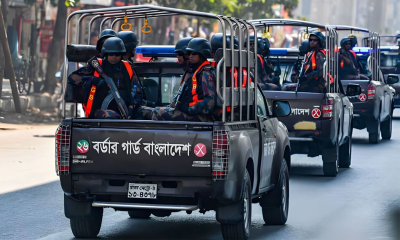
<point>362,202</point>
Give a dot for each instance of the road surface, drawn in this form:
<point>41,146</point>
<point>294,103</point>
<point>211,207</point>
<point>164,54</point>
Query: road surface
<point>362,202</point>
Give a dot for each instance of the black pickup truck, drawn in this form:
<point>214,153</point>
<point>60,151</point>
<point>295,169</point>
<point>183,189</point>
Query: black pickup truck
<point>391,71</point>
<point>320,123</point>
<point>159,167</point>
<point>373,107</point>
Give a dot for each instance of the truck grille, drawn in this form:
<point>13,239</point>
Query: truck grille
<point>63,139</point>
<point>220,154</point>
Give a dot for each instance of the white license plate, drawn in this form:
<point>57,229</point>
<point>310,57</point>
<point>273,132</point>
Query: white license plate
<point>142,190</point>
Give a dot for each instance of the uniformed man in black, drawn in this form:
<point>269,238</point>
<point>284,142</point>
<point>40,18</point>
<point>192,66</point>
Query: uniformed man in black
<point>96,89</point>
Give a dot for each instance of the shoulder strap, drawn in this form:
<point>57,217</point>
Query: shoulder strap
<point>128,67</point>
<point>261,59</point>
<point>96,74</point>
<point>354,54</point>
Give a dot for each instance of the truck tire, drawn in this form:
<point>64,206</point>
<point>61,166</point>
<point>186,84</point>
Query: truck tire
<point>139,214</point>
<point>87,227</point>
<point>386,128</point>
<point>241,230</point>
<point>345,152</point>
<point>375,137</point>
<point>330,161</point>
<point>278,215</point>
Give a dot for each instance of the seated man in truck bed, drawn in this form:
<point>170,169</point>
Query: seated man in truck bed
<point>96,89</point>
<point>348,65</point>
<point>311,78</point>
<point>198,96</point>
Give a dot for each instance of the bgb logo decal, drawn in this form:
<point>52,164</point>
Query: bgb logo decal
<point>82,146</point>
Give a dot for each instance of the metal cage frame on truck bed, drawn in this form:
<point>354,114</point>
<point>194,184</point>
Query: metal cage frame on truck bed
<point>231,57</point>
<point>372,41</point>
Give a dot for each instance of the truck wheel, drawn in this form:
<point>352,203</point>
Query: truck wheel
<point>278,215</point>
<point>386,127</point>
<point>139,213</point>
<point>374,137</point>
<point>241,230</point>
<point>345,152</point>
<point>330,161</point>
<point>87,227</point>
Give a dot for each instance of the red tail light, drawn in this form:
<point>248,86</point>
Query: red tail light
<point>371,91</point>
<point>63,136</point>
<point>327,108</point>
<point>220,155</point>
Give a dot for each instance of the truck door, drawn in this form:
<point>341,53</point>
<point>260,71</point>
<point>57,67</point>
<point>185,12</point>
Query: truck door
<point>346,115</point>
<point>268,140</point>
<point>387,97</point>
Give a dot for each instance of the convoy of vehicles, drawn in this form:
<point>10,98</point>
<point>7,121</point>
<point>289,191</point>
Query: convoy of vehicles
<point>391,70</point>
<point>320,123</point>
<point>159,167</point>
<point>156,168</point>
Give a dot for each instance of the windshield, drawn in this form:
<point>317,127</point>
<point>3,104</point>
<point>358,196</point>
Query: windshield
<point>389,60</point>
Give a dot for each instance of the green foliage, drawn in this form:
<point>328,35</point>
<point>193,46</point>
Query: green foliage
<point>236,8</point>
<point>54,3</point>
<point>71,3</point>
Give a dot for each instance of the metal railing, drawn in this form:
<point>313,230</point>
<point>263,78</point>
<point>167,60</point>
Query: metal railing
<point>239,26</point>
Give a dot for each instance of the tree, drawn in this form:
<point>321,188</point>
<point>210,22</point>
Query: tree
<point>55,47</point>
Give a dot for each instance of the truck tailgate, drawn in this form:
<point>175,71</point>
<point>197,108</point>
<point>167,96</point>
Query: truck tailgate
<point>141,151</point>
<point>363,98</point>
<point>306,109</point>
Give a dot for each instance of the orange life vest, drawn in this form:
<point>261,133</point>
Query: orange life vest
<point>314,64</point>
<point>235,75</point>
<point>342,62</point>
<point>89,103</point>
<point>195,97</point>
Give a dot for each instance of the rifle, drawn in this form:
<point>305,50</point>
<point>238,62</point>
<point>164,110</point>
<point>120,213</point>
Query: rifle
<point>113,89</point>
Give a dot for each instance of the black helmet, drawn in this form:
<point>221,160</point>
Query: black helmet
<point>320,36</point>
<point>344,40</point>
<point>261,44</point>
<point>113,45</point>
<point>304,47</point>
<point>200,45</point>
<point>106,33</point>
<point>217,40</point>
<point>130,40</point>
<point>182,44</point>
<point>267,45</point>
<point>353,39</point>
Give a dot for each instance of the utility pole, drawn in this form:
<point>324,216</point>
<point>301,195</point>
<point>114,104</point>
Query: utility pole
<point>4,9</point>
<point>9,65</point>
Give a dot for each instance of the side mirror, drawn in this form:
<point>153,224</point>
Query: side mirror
<point>392,79</point>
<point>353,90</point>
<point>281,109</point>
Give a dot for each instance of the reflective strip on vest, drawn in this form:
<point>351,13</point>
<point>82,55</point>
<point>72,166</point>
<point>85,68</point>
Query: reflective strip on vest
<point>89,104</point>
<point>195,97</point>
<point>261,60</point>
<point>354,54</point>
<point>128,68</point>
<point>96,74</point>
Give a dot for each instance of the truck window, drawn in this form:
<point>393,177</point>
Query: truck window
<point>389,60</point>
<point>261,106</point>
<point>169,87</point>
